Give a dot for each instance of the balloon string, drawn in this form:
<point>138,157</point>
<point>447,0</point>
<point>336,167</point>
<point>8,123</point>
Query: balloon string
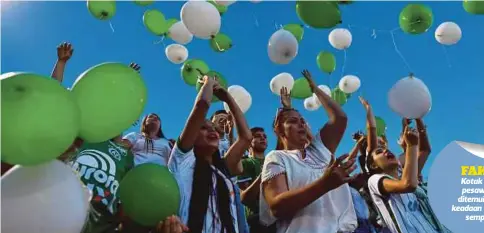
<point>447,56</point>
<point>218,47</point>
<point>344,64</point>
<point>400,53</point>
<point>256,21</point>
<point>160,41</point>
<point>111,25</point>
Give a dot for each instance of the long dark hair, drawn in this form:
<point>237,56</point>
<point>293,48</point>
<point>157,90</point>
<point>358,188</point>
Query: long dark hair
<point>149,146</point>
<point>202,190</point>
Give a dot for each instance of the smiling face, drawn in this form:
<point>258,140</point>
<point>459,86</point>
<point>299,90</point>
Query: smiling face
<point>293,129</point>
<point>384,159</point>
<point>208,137</point>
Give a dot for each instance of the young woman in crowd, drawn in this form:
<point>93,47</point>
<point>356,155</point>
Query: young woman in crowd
<point>150,145</point>
<point>208,202</point>
<point>303,186</point>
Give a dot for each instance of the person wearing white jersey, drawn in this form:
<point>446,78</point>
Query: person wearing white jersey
<point>304,187</point>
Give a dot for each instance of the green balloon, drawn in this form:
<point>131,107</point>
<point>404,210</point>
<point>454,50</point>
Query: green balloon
<point>143,3</point>
<point>381,126</point>
<point>301,89</point>
<point>296,29</point>
<point>319,14</point>
<point>326,62</point>
<point>221,8</point>
<point>339,96</point>
<point>190,73</point>
<point>474,7</point>
<point>149,194</point>
<point>219,77</point>
<point>40,118</point>
<point>221,43</point>
<point>111,97</point>
<point>416,19</point>
<point>155,22</point>
<point>103,10</point>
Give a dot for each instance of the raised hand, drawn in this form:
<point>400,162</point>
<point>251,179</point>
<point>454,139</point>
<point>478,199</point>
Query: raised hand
<point>410,135</point>
<point>365,103</point>
<point>64,52</point>
<point>229,125</point>
<point>135,66</point>
<point>339,170</point>
<point>309,77</point>
<point>171,224</point>
<point>205,80</point>
<point>285,97</point>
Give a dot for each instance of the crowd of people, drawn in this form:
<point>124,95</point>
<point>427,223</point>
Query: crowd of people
<point>232,184</point>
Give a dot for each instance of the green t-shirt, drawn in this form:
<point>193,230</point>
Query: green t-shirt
<point>252,169</point>
<point>101,166</point>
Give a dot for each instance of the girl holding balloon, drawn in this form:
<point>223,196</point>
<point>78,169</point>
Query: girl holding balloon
<point>208,200</point>
<point>304,187</point>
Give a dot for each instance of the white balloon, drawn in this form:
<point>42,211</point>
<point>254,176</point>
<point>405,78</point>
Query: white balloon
<point>326,91</point>
<point>51,188</point>
<point>281,80</point>
<point>311,104</point>
<point>180,34</point>
<point>176,53</point>
<point>340,38</point>
<point>225,2</point>
<point>410,98</point>
<point>201,19</point>
<point>282,47</point>
<point>349,84</point>
<point>448,33</point>
<point>241,96</point>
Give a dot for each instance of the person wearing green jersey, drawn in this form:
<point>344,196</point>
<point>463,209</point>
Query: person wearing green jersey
<point>249,181</point>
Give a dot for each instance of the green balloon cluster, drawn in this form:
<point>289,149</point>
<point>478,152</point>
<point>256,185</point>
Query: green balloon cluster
<point>301,89</point>
<point>221,8</point>
<point>474,7</point>
<point>339,96</point>
<point>40,118</point>
<point>111,97</point>
<point>318,14</point>
<point>149,194</point>
<point>220,79</point>
<point>416,19</point>
<point>156,23</point>
<point>221,43</point>
<point>326,62</point>
<point>102,10</point>
<point>296,29</point>
<point>190,71</point>
<point>143,2</point>
<point>381,126</point>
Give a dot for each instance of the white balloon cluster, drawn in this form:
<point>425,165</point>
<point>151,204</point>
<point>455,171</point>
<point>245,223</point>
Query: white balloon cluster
<point>448,33</point>
<point>349,84</point>
<point>410,98</point>
<point>283,47</point>
<point>241,96</point>
<point>179,33</point>
<point>281,80</point>
<point>340,38</point>
<point>176,53</point>
<point>201,19</point>
<point>52,188</point>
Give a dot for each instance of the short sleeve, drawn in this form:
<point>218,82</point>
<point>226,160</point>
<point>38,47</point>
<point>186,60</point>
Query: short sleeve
<point>131,137</point>
<point>247,171</point>
<point>273,166</point>
<point>375,184</point>
<point>180,161</point>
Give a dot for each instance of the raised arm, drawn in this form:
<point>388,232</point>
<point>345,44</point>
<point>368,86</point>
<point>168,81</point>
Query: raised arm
<point>409,179</point>
<point>372,137</point>
<point>244,136</point>
<point>285,98</point>
<point>333,131</point>
<point>424,148</point>
<point>64,53</point>
<point>197,116</point>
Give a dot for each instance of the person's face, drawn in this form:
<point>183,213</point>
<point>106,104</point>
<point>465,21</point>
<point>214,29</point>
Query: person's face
<point>207,136</point>
<point>219,121</point>
<point>294,128</point>
<point>153,122</point>
<point>259,141</point>
<point>384,158</point>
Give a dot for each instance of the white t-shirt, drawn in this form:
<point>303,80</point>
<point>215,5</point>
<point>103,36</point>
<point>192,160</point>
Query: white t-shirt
<point>144,153</point>
<point>331,213</point>
<point>182,165</point>
<point>401,212</point>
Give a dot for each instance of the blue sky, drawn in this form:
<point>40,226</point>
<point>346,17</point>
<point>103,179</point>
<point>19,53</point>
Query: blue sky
<point>32,30</point>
